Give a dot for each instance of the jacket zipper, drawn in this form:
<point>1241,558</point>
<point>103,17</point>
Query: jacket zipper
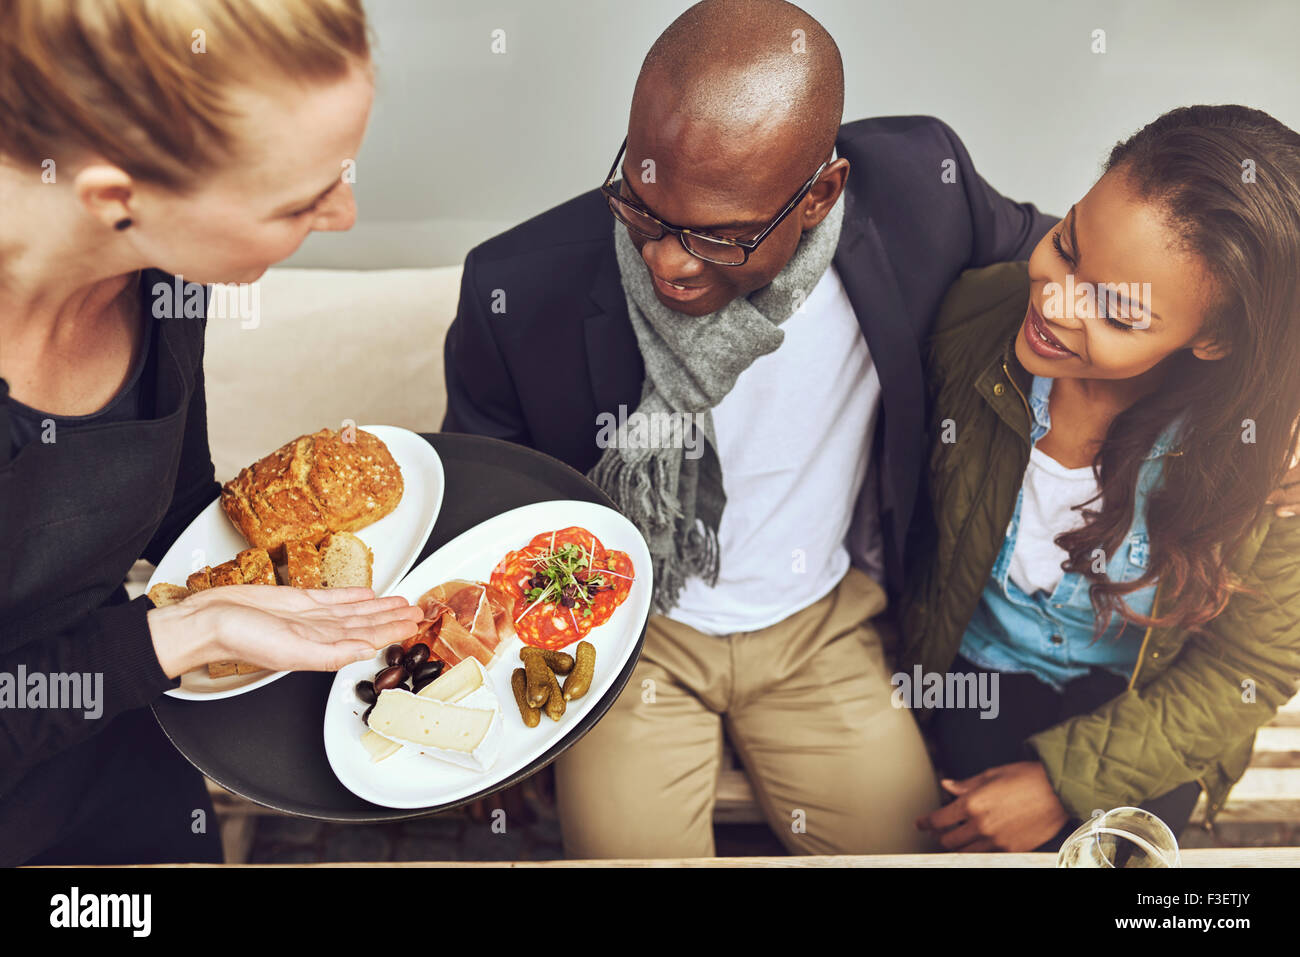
<point>1012,380</point>
<point>1155,602</point>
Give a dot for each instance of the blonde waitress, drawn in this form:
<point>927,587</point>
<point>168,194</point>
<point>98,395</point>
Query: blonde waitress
<point>134,147</point>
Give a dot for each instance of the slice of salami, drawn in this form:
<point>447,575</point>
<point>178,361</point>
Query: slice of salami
<point>549,624</point>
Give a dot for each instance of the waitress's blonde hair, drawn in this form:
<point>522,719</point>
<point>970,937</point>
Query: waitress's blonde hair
<point>134,81</point>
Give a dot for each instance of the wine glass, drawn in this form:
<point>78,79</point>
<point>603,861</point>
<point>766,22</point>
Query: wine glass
<point>1122,837</point>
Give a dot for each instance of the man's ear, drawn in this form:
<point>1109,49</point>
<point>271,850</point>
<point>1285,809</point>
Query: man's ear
<point>105,191</point>
<point>825,192</point>
<point>1210,349</point>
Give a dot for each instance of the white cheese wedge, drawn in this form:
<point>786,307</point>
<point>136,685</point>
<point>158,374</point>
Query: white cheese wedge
<point>456,682</point>
<point>467,733</point>
<point>451,686</point>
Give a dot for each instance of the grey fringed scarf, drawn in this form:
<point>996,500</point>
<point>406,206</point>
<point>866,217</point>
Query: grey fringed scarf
<point>675,498</point>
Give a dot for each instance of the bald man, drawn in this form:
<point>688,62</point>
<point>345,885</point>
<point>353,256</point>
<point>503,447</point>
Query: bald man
<point>725,336</point>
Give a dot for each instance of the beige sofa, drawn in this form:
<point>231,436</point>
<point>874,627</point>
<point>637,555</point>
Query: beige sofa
<point>329,345</point>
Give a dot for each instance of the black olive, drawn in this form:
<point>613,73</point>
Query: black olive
<point>427,671</point>
<point>421,683</point>
<point>417,656</point>
<point>365,718</point>
<point>389,678</point>
<point>366,691</point>
<point>392,655</point>
<point>537,581</point>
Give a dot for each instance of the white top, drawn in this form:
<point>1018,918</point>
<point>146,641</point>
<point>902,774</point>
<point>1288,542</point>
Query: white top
<point>793,436</point>
<point>1050,493</point>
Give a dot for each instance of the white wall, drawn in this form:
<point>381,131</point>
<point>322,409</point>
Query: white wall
<point>464,143</point>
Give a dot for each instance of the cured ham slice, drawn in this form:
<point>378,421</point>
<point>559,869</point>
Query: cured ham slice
<point>464,619</point>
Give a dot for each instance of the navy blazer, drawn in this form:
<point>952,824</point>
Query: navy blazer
<point>541,344</point>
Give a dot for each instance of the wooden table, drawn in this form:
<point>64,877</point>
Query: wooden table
<point>1215,857</point>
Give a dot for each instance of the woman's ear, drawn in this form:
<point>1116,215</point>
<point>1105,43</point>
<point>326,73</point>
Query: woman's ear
<point>1209,349</point>
<point>105,191</point>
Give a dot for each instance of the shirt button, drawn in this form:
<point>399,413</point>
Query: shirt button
<point>1057,639</point>
<point>999,388</point>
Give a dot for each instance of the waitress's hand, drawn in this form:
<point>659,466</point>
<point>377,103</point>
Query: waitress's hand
<point>1011,807</point>
<point>281,628</point>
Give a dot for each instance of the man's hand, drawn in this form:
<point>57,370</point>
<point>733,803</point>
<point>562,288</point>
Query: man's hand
<point>1286,497</point>
<point>1008,808</point>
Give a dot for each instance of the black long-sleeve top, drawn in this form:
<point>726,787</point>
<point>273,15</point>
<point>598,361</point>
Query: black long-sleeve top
<point>75,514</point>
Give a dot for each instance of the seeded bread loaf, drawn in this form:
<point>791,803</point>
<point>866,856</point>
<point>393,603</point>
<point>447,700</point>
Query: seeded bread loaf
<point>314,485</point>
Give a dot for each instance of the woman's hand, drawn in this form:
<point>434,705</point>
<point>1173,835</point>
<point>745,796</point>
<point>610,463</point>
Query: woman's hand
<point>281,628</point>
<point>1008,808</point>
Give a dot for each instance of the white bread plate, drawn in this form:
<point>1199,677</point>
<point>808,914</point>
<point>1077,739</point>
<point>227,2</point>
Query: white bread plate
<point>396,541</point>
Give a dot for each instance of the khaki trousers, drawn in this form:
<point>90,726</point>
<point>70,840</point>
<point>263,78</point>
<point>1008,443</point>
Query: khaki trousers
<point>806,705</point>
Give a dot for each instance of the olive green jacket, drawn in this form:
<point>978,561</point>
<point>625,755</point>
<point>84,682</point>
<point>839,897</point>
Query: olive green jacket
<point>1194,700</point>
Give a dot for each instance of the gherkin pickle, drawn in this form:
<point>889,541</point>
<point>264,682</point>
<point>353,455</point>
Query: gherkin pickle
<point>555,698</point>
<point>539,677</point>
<point>579,681</point>
<point>519,684</point>
<point>557,661</point>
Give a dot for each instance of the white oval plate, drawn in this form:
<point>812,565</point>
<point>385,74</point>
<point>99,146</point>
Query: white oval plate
<point>396,539</point>
<point>412,780</point>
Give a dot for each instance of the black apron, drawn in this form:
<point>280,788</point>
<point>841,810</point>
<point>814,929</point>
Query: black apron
<point>75,515</point>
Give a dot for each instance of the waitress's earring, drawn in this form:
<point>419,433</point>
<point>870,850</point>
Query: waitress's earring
<point>121,224</point>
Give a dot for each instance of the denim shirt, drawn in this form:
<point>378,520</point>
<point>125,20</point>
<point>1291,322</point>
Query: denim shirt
<point>1051,636</point>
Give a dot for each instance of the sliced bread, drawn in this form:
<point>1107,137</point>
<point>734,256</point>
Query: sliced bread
<point>255,567</point>
<point>302,564</point>
<point>345,561</point>
<point>201,579</point>
<point>163,594</point>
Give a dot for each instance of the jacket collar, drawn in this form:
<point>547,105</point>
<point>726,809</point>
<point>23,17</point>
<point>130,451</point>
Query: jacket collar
<point>606,333</point>
<point>1004,385</point>
<point>1036,390</point>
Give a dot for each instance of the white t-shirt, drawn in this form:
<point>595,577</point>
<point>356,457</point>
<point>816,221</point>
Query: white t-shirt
<point>1047,510</point>
<point>793,436</point>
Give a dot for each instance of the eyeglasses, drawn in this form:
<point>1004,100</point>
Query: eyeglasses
<point>712,249</point>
